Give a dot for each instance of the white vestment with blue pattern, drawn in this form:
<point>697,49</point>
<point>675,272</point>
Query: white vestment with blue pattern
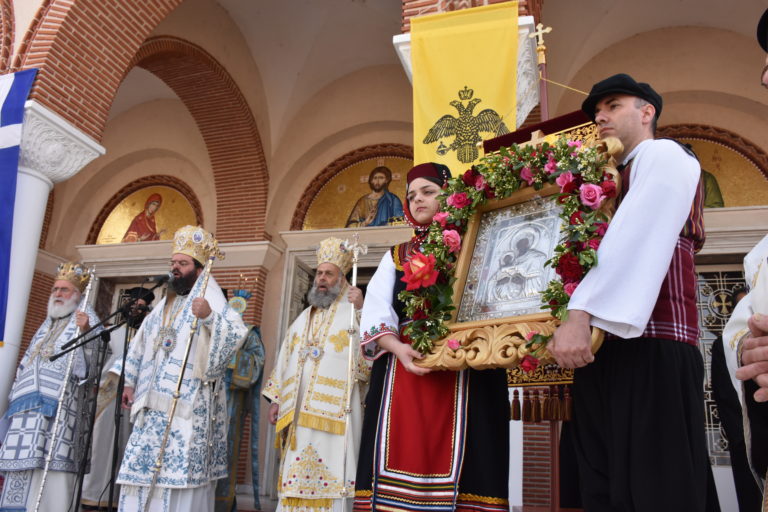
<point>196,451</point>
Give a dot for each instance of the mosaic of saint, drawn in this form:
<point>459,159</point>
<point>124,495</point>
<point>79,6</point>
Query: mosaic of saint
<point>730,179</point>
<point>366,194</point>
<point>151,213</point>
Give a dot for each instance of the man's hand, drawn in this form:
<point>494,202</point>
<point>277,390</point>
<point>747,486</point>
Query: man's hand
<point>355,297</point>
<point>571,346</point>
<point>754,356</point>
<point>82,321</point>
<point>127,397</point>
<point>274,410</point>
<point>200,308</point>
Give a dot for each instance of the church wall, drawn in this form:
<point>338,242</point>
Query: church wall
<point>694,69</point>
<point>208,25</point>
<point>158,137</point>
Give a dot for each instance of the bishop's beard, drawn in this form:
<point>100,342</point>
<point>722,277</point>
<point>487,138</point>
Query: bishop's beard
<point>59,308</point>
<point>183,284</point>
<point>323,300</point>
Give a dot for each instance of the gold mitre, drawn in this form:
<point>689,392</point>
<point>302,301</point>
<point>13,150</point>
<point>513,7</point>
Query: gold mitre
<point>75,273</point>
<point>196,242</point>
<point>332,250</point>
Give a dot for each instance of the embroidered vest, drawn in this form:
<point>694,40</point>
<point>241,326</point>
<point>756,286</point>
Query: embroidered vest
<point>675,315</point>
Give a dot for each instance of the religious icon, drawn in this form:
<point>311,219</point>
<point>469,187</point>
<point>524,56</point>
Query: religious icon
<point>367,193</point>
<point>148,214</point>
<point>143,227</point>
<point>380,206</point>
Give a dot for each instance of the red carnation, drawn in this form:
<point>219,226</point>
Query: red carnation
<point>569,268</point>
<point>419,271</point>
<point>577,217</point>
<point>609,188</point>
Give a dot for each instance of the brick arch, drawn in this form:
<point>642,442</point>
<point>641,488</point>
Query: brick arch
<point>146,181</point>
<point>86,46</point>
<point>227,126</point>
<point>6,34</point>
<point>734,141</point>
<point>338,165</point>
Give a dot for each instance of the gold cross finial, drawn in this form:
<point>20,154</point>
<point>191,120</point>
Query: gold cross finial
<point>539,34</point>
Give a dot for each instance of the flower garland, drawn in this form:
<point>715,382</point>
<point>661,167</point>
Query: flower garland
<point>586,189</point>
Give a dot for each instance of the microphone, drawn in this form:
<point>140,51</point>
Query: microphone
<point>162,278</point>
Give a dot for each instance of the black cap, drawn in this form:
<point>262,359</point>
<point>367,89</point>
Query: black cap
<point>762,31</point>
<point>141,293</point>
<point>620,84</point>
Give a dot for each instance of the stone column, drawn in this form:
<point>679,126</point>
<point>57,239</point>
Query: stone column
<point>52,150</point>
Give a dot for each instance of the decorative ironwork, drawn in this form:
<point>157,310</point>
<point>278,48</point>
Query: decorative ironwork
<point>715,304</point>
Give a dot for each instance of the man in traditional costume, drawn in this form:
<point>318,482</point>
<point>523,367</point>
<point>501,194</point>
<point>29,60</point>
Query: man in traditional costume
<point>34,400</point>
<point>638,421</point>
<point>243,383</point>
<point>96,482</point>
<point>308,392</point>
<point>196,450</point>
<point>380,206</point>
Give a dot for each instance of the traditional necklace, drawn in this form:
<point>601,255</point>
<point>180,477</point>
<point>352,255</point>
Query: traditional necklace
<point>166,336</point>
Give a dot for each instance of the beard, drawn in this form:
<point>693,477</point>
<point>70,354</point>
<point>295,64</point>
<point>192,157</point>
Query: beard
<point>59,308</point>
<point>183,283</point>
<point>323,299</point>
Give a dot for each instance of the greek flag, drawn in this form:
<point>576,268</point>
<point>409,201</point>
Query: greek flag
<point>14,89</point>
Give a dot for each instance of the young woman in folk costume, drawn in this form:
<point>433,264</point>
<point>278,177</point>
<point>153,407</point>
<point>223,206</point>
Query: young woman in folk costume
<point>431,440</point>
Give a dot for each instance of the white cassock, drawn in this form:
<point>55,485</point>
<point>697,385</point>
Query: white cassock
<point>309,383</point>
<point>196,451</point>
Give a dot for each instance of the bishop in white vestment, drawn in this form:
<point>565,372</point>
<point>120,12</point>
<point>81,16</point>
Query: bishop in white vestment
<point>196,451</point>
<point>308,389</point>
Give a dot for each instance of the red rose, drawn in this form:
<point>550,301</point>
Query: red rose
<point>602,227</point>
<point>569,268</point>
<point>489,193</point>
<point>569,288</point>
<point>469,177</point>
<point>419,314</point>
<point>529,364</point>
<point>458,200</point>
<point>593,244</point>
<point>419,271</point>
<point>577,217</point>
<point>609,188</point>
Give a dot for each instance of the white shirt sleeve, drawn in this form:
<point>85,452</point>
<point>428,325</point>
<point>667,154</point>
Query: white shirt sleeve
<point>620,292</point>
<point>379,316</point>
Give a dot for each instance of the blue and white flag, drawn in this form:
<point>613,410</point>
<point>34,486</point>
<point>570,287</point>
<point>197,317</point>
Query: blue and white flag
<point>14,90</point>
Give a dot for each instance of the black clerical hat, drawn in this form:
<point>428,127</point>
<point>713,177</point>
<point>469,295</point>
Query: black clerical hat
<point>141,293</point>
<point>762,31</point>
<point>620,84</point>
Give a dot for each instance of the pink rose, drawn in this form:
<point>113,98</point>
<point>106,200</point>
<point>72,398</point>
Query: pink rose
<point>527,175</point>
<point>569,288</point>
<point>574,144</point>
<point>602,227</point>
<point>531,334</point>
<point>452,239</point>
<point>453,344</point>
<point>480,183</point>
<point>550,166</point>
<point>441,217</point>
<point>591,195</point>
<point>567,182</point>
<point>458,200</point>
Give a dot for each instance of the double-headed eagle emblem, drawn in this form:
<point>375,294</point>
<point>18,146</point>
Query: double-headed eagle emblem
<point>466,128</point>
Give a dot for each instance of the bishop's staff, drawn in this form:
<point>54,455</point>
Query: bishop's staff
<point>356,249</point>
<point>70,359</point>
<point>177,393</point>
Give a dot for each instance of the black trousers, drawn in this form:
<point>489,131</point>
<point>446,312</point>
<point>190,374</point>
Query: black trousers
<point>638,429</point>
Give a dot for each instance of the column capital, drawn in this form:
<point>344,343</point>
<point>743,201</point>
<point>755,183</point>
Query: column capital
<point>52,146</point>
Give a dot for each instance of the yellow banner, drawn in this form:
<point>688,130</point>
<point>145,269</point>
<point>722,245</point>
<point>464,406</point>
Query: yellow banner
<point>464,82</point>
